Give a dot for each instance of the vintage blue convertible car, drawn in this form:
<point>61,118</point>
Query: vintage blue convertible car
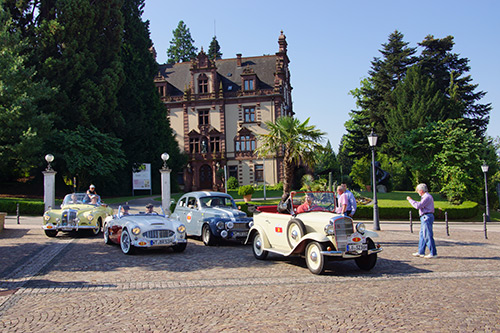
<point>213,216</point>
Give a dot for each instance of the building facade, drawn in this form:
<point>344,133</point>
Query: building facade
<point>218,107</point>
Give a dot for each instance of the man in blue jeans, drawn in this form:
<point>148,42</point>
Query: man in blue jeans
<point>426,210</point>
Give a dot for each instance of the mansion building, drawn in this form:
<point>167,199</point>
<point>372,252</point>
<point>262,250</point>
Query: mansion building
<point>216,109</point>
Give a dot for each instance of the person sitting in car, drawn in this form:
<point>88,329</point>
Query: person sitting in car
<point>308,205</point>
<point>149,209</point>
<point>124,210</point>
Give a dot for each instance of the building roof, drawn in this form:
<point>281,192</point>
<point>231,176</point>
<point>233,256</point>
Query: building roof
<point>264,67</point>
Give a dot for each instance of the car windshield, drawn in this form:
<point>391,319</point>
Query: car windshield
<point>138,211</point>
<point>81,198</point>
<point>217,201</point>
<point>321,201</point>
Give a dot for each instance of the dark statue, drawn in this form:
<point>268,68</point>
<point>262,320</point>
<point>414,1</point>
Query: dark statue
<point>381,176</point>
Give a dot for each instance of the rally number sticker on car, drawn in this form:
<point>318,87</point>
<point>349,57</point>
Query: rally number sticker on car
<point>188,217</point>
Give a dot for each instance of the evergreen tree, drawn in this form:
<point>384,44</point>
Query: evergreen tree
<point>79,53</point>
<point>181,46</point>
<point>448,71</point>
<point>23,128</point>
<point>417,102</point>
<point>146,133</point>
<point>374,97</point>
<point>214,49</point>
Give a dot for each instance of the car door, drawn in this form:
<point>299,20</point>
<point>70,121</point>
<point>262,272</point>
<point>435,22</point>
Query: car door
<point>193,216</point>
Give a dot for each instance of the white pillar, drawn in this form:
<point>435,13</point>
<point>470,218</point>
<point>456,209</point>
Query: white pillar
<point>165,189</point>
<point>49,188</point>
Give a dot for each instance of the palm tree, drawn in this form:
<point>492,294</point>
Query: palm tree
<point>295,140</point>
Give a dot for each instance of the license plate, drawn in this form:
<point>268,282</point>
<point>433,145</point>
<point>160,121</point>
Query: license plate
<point>239,234</point>
<point>161,241</point>
<point>357,247</point>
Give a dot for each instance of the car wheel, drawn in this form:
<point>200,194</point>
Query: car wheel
<point>206,236</point>
<point>294,232</point>
<point>314,259</point>
<point>367,262</point>
<point>96,232</point>
<point>258,247</point>
<point>126,242</point>
<point>105,233</point>
<point>180,247</point>
<point>51,233</point>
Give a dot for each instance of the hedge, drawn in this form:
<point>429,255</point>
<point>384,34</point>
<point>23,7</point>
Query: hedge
<point>26,207</point>
<point>467,210</point>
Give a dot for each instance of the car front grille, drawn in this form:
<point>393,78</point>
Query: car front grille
<point>68,217</point>
<point>158,234</point>
<point>343,229</point>
<point>240,226</point>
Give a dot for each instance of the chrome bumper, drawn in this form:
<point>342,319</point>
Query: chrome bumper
<point>68,227</point>
<point>349,255</point>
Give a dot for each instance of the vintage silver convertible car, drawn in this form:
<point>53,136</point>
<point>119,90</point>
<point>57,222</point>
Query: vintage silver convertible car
<point>213,216</point>
<point>317,234</point>
<point>78,212</point>
<point>133,229</point>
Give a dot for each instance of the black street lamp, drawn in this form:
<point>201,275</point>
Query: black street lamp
<point>485,168</point>
<point>372,141</point>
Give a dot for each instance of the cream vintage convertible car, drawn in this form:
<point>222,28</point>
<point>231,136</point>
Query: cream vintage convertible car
<point>318,234</point>
<point>79,212</point>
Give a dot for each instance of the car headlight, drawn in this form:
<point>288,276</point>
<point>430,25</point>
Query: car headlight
<point>136,230</point>
<point>220,225</point>
<point>181,229</point>
<point>230,225</point>
<point>330,229</point>
<point>360,227</point>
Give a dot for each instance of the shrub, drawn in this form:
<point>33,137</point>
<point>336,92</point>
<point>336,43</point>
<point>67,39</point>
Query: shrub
<point>232,183</point>
<point>246,190</point>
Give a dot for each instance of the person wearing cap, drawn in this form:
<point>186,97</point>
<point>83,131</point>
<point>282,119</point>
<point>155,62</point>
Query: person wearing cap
<point>149,208</point>
<point>308,204</point>
<point>91,190</point>
<point>124,210</point>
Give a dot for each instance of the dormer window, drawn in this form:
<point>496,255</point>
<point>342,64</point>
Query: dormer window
<point>248,84</point>
<point>202,84</point>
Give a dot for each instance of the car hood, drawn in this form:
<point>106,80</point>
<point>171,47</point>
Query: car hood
<point>150,221</point>
<point>224,212</point>
<point>78,207</point>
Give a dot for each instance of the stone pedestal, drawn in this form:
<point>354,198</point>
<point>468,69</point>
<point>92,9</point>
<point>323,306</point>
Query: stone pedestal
<point>2,220</point>
<point>165,189</point>
<point>49,188</point>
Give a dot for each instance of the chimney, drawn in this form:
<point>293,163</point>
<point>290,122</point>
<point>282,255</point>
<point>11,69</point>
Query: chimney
<point>238,59</point>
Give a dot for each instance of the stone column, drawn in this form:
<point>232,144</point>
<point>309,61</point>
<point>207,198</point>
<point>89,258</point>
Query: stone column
<point>49,188</point>
<point>165,189</point>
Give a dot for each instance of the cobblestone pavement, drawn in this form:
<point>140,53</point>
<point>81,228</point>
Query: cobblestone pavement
<point>77,283</point>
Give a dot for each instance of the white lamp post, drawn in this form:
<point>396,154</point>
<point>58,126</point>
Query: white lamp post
<point>165,184</point>
<point>49,183</point>
<point>372,141</point>
<point>485,168</point>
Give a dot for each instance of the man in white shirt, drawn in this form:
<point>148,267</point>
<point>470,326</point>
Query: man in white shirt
<point>352,200</point>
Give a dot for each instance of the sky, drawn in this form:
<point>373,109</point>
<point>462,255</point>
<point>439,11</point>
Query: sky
<point>331,43</point>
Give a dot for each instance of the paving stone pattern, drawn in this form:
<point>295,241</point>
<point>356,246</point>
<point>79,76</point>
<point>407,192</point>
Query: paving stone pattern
<point>78,284</point>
